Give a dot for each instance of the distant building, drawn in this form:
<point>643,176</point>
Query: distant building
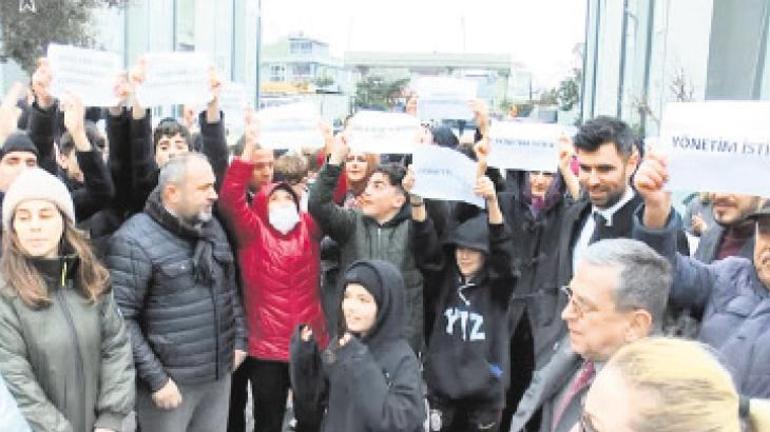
<point>641,54</point>
<point>301,60</point>
<point>492,72</point>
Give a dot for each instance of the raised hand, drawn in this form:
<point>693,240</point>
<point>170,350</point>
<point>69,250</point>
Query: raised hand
<point>251,136</point>
<point>340,149</point>
<point>481,116</point>
<point>41,84</point>
<point>485,188</point>
<point>74,121</point>
<point>649,180</point>
<point>135,79</point>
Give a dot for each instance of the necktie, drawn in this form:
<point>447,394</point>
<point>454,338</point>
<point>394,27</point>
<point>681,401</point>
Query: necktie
<point>584,378</point>
<point>599,224</point>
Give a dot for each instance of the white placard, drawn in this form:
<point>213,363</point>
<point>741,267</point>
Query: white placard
<point>444,174</point>
<point>291,126</point>
<point>525,146</point>
<point>175,78</point>
<point>717,146</point>
<point>440,98</point>
<point>89,74</point>
<point>232,102</point>
<point>383,132</point>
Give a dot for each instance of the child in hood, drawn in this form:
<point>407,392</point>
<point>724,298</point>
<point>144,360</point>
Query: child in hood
<point>368,379</point>
<point>467,365</point>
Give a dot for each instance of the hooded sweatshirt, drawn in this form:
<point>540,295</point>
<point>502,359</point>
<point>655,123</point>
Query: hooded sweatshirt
<point>468,352</point>
<point>372,383</point>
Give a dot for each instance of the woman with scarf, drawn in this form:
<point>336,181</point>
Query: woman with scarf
<point>533,209</point>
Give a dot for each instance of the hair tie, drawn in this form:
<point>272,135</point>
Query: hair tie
<point>743,407</point>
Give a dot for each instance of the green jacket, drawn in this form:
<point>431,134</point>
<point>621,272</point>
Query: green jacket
<point>361,237</point>
<point>69,364</point>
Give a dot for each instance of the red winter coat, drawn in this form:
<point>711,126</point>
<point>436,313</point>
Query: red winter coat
<point>280,273</point>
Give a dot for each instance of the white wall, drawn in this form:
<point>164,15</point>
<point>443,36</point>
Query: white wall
<point>680,43</point>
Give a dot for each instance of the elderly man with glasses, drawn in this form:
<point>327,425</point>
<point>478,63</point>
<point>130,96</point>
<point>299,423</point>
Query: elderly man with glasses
<point>617,295</point>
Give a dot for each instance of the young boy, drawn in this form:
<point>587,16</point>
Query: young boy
<point>467,365</point>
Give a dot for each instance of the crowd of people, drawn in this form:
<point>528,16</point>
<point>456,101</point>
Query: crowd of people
<point>157,273</point>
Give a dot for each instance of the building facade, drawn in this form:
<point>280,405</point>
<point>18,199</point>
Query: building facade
<point>642,54</point>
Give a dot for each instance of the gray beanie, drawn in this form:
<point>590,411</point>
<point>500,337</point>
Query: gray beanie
<point>37,184</point>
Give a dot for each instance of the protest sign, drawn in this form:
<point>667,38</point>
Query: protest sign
<point>440,98</point>
<point>525,146</point>
<point>444,174</point>
<point>383,132</point>
<point>717,146</point>
<point>232,102</point>
<point>89,74</point>
<point>291,126</point>
<point>175,78</point>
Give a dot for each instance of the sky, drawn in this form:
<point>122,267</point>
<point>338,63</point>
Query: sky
<point>538,33</point>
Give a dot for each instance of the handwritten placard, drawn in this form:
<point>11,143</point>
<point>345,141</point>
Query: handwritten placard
<point>525,146</point>
<point>291,126</point>
<point>442,98</point>
<point>383,132</point>
<point>89,74</point>
<point>717,146</point>
<point>175,78</point>
<point>444,174</point>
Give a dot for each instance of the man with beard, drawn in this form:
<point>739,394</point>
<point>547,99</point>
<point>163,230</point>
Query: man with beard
<point>733,233</point>
<point>733,293</point>
<point>173,273</point>
<point>608,156</point>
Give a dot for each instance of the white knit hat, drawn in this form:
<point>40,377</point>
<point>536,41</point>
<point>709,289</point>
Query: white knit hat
<point>34,184</point>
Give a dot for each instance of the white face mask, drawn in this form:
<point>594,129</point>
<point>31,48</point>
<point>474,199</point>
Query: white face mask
<point>284,218</point>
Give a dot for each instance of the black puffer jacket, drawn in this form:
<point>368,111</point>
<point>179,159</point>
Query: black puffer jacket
<point>176,288</point>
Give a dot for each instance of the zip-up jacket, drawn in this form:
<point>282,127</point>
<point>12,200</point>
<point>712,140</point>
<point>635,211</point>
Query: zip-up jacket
<point>361,237</point>
<point>68,364</point>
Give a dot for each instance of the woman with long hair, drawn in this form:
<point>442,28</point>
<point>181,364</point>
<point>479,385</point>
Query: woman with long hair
<point>64,351</point>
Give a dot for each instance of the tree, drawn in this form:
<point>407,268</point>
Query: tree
<point>26,35</point>
<point>568,93</point>
<point>324,81</point>
<point>375,92</point>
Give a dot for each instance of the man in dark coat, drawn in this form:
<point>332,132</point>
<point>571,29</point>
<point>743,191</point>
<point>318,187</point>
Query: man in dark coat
<point>173,274</point>
<point>617,295</point>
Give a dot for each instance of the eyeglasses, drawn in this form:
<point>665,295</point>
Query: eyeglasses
<point>580,308</point>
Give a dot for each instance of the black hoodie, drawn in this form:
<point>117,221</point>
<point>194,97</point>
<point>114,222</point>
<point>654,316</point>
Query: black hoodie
<point>468,352</point>
<point>372,383</point>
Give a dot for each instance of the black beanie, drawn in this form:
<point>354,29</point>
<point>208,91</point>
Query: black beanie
<point>18,142</point>
<point>363,273</point>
